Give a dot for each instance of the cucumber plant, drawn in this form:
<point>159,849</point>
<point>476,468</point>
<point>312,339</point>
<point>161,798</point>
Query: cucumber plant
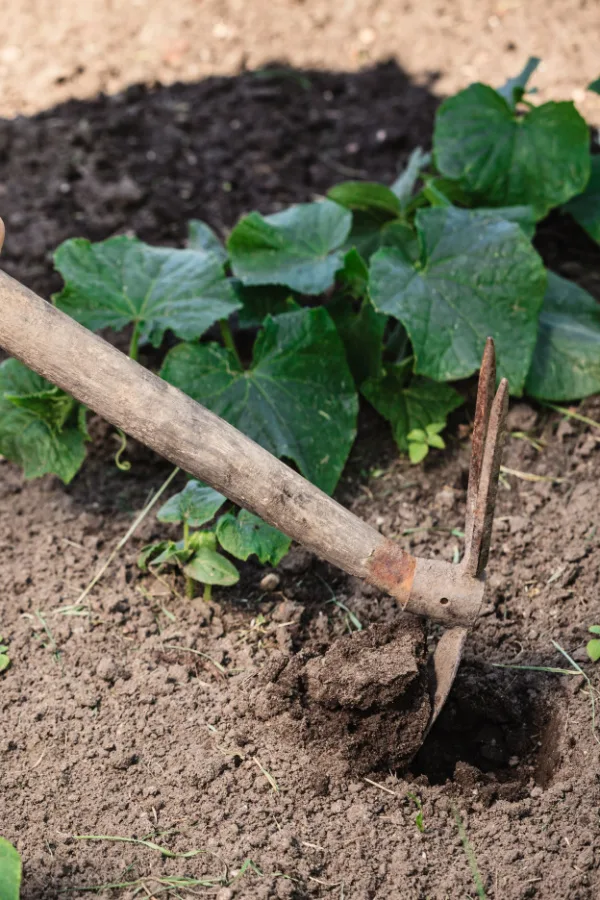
<point>197,554</point>
<point>383,292</point>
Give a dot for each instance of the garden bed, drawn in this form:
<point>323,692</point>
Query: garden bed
<point>110,729</point>
<point>143,715</point>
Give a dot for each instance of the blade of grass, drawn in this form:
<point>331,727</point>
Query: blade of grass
<point>571,414</point>
<point>137,522</point>
<point>554,670</point>
<point>164,851</point>
<point>529,476</point>
<point>470,854</point>
<point>352,616</point>
<point>580,671</point>
<point>267,774</point>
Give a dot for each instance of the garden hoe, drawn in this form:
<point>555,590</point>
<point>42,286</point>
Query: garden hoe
<point>204,445</point>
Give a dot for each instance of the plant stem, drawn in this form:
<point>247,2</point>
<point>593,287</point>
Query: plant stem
<point>228,340</point>
<point>207,593</point>
<point>190,584</point>
<point>133,344</point>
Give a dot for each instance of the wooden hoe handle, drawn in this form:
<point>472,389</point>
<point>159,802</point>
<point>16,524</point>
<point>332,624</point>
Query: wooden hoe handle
<point>175,426</point>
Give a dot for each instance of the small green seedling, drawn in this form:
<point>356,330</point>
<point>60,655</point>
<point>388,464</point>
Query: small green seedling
<point>593,646</point>
<point>10,871</point>
<point>4,657</point>
<point>419,816</point>
<point>196,553</point>
<point>420,441</point>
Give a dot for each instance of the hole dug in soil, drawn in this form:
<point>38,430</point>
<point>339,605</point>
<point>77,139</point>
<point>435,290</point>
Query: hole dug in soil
<point>489,731</point>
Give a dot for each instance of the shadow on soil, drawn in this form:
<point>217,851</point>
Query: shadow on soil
<point>151,158</point>
<point>496,722</point>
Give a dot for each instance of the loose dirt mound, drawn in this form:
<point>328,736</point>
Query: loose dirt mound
<point>362,704</point>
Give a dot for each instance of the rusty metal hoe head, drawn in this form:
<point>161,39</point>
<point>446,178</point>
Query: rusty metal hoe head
<point>488,438</point>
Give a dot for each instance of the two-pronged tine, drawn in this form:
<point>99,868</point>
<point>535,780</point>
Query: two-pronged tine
<point>488,440</point>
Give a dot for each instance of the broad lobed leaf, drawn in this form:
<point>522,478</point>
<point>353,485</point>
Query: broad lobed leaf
<point>477,276</point>
<point>122,280</point>
<point>540,159</point>
<point>297,399</point>
<point>566,362</point>
<point>367,196</point>
<point>299,247</point>
<point>203,239</point>
<point>42,429</point>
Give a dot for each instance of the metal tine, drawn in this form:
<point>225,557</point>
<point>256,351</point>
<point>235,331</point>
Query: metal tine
<point>485,398</point>
<point>483,516</point>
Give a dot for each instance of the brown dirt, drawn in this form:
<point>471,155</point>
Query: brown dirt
<point>105,45</point>
<point>207,726</point>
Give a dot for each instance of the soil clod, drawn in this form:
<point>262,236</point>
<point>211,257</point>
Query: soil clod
<point>363,702</point>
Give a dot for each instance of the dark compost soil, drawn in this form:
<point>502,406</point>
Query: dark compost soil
<point>211,726</point>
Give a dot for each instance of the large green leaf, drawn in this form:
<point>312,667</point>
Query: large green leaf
<point>585,208</point>
<point>209,567</point>
<point>297,399</point>
<point>409,403</point>
<point>10,871</point>
<point>299,247</point>
<point>540,159</point>
<point>42,429</point>
<point>122,280</point>
<point>566,362</point>
<point>196,504</point>
<point>476,277</point>
<point>246,534</point>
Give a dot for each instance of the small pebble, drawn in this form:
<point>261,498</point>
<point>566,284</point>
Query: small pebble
<point>106,669</point>
<point>225,894</point>
<point>270,582</point>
